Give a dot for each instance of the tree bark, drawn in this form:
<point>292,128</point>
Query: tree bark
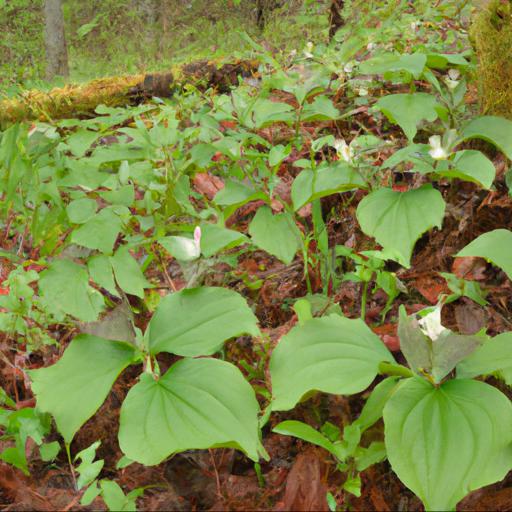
<point>336,20</point>
<point>55,40</point>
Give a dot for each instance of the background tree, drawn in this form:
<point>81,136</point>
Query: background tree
<point>55,40</point>
<point>336,20</point>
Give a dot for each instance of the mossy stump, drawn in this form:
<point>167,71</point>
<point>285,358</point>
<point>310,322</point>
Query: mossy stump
<point>491,35</point>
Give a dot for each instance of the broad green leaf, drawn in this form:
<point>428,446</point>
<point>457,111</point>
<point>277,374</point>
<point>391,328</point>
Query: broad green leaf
<point>306,433</point>
<point>100,270</point>
<point>330,354</point>
<point>495,355</point>
<point>80,141</point>
<point>81,210</point>
<point>408,110</point>
<point>320,109</point>
<point>73,389</point>
<point>443,442</point>
<point>471,165</point>
<point>496,130</point>
<point>197,321</point>
<point>310,185</point>
<point>265,112</point>
<point>99,232</point>
<point>277,154</point>
<point>64,287</point>
<point>397,219</point>
<point>391,63</point>
<point>495,246</point>
<point>217,238</point>
<point>197,404</point>
<point>124,196</point>
<point>236,194</point>
<point>276,234</point>
<point>127,272</point>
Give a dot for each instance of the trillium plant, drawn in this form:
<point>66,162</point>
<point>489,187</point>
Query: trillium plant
<point>445,434</point>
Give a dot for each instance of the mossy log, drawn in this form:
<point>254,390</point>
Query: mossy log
<point>80,101</point>
<point>491,36</point>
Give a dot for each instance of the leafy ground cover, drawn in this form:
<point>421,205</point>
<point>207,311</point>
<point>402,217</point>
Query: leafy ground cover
<point>291,296</point>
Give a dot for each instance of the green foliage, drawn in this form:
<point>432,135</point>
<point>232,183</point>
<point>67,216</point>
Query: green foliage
<point>494,246</point>
<point>408,110</point>
<point>196,322</point>
<point>330,354</point>
<point>197,403</point>
<point>397,219</point>
<point>275,233</point>
<point>446,441</point>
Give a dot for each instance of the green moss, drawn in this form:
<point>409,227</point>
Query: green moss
<point>491,34</point>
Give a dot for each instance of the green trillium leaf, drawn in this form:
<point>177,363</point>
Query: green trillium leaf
<point>197,404</point>
<point>73,389</point>
<point>443,442</point>
<point>197,321</point>
<point>330,354</point>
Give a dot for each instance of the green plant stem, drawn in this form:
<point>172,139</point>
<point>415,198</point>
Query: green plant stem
<point>73,476</point>
<point>395,370</point>
<point>364,299</point>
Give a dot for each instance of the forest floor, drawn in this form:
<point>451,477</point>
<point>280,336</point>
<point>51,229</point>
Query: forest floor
<point>297,476</point>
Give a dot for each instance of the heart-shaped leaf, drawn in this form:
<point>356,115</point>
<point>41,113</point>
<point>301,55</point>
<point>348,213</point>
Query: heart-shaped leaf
<point>397,219</point>
<point>197,404</point>
<point>197,321</point>
<point>73,389</point>
<point>330,354</point>
<point>64,287</point>
<point>408,110</point>
<point>443,442</point>
<point>276,234</point>
<point>310,185</point>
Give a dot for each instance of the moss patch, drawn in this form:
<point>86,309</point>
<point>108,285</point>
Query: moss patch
<point>491,34</point>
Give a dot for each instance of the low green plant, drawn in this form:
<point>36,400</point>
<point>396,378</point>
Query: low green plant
<point>444,434</point>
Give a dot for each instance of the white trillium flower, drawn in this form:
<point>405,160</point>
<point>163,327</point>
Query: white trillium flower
<point>184,248</point>
<point>309,49</point>
<point>371,46</point>
<point>363,91</point>
<point>344,151</point>
<point>349,67</point>
<point>453,74</point>
<point>431,324</point>
<point>437,152</point>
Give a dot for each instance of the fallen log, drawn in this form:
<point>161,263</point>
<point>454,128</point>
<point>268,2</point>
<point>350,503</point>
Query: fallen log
<point>80,101</point>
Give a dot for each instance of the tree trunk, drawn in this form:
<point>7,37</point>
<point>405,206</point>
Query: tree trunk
<point>55,40</point>
<point>336,20</point>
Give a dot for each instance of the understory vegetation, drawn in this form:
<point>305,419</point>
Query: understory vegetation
<point>291,292</point>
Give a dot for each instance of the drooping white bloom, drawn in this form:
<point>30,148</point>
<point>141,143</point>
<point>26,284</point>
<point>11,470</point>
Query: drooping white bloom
<point>349,67</point>
<point>452,80</point>
<point>437,152</point>
<point>371,46</point>
<point>363,91</point>
<point>431,324</point>
<point>309,49</point>
<point>182,247</point>
<point>344,151</point>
